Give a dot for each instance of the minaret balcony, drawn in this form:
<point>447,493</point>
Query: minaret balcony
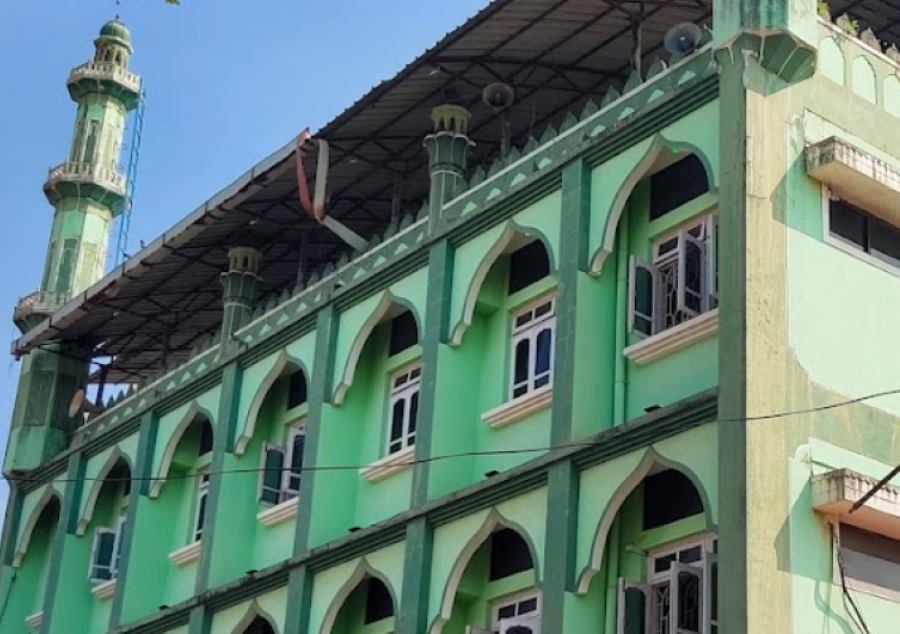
<point>34,307</point>
<point>88,180</point>
<point>106,78</point>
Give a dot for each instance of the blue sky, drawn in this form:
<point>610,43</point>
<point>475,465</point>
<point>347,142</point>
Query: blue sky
<point>227,83</point>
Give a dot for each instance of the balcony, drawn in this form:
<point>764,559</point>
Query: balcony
<point>71,178</point>
<point>32,308</point>
<point>107,78</point>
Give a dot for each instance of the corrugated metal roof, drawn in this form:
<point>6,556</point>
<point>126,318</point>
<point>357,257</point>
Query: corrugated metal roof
<point>556,53</point>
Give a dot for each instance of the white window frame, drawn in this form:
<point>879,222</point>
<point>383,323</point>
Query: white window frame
<point>702,569</point>
<point>287,492</point>
<point>202,495</point>
<point>848,247</point>
<point>115,559</point>
<point>701,232</point>
<point>497,624</point>
<point>530,330</point>
<point>404,385</point>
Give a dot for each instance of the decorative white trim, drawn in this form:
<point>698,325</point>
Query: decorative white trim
<point>104,590</point>
<point>675,338</point>
<point>834,492</point>
<point>519,408</point>
<point>186,554</point>
<point>34,621</point>
<point>389,465</point>
<point>278,513</point>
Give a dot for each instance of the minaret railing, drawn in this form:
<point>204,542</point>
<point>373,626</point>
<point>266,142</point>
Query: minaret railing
<point>71,171</point>
<point>109,71</point>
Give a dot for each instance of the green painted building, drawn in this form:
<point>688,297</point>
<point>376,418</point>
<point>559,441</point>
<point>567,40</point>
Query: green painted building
<point>568,327</point>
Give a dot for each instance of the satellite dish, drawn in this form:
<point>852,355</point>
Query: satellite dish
<point>682,38</point>
<point>498,96</point>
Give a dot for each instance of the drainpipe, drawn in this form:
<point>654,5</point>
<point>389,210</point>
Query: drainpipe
<point>612,575</point>
<point>620,377</point>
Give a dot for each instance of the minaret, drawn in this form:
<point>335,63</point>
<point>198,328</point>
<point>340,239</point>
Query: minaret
<point>87,191</point>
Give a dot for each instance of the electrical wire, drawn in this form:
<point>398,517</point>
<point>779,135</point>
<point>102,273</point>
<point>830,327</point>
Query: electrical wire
<point>448,456</point>
<point>854,614</point>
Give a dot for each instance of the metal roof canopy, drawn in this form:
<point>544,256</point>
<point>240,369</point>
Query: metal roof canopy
<point>882,16</point>
<point>152,310</point>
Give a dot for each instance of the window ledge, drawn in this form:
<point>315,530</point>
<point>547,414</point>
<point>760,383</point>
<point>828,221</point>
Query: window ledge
<point>186,554</point>
<point>278,513</point>
<point>674,339</point>
<point>35,620</point>
<point>105,589</point>
<point>519,407</point>
<point>835,492</point>
<point>389,465</point>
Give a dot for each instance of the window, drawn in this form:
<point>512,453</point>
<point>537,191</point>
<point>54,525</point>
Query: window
<point>676,185</point>
<point>200,511</point>
<point>277,483</point>
<point>404,333</point>
<point>681,283</point>
<point>679,596</point>
<point>106,553</point>
<point>527,266</point>
<point>518,614</point>
<point>855,228</point>
<point>379,604</point>
<point>871,562</point>
<point>532,347</point>
<point>403,409</point>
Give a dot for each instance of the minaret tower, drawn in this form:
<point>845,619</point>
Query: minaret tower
<point>87,191</point>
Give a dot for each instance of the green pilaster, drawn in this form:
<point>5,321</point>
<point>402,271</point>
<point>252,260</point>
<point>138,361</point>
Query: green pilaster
<point>143,471</point>
<point>223,442</point>
<point>68,521</point>
<point>559,554</point>
<point>733,16</point>
<point>413,616</point>
<point>241,285</point>
<point>733,348</point>
<point>11,519</point>
<point>440,275</point>
<point>200,621</point>
<point>301,579</point>
<point>447,148</point>
<point>573,256</point>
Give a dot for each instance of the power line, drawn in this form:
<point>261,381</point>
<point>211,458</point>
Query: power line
<point>476,453</point>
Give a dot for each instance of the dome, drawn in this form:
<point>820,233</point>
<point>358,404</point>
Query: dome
<point>116,29</point>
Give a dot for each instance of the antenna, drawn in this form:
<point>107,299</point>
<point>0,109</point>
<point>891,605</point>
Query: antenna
<point>499,96</point>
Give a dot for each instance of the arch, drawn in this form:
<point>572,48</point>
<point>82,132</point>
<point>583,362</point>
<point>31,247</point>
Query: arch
<point>115,458</point>
<point>283,364</point>
<point>864,80</point>
<point>388,306</point>
<point>890,91</point>
<point>658,145</point>
<point>831,61</point>
<point>650,459</point>
<point>49,496</point>
<point>511,235</point>
<point>194,413</point>
<point>363,570</point>
<point>492,522</point>
<point>254,613</point>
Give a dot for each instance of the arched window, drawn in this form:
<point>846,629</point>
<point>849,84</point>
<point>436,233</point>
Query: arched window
<point>259,626</point>
<point>109,521</point>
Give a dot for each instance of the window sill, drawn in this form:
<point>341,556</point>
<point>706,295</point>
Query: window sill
<point>519,407</point>
<point>35,620</point>
<point>105,589</point>
<point>389,465</point>
<point>278,513</point>
<point>674,339</point>
<point>187,554</point>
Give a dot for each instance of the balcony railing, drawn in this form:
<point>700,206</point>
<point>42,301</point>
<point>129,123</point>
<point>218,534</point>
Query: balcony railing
<point>38,302</point>
<point>72,172</point>
<point>106,71</point>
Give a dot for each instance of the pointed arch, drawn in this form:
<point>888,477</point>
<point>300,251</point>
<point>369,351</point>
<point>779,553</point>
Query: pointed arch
<point>511,235</point>
<point>388,306</point>
<point>495,520</point>
<point>361,573</point>
<point>49,496</point>
<point>657,146</point>
<point>650,459</point>
<point>283,364</point>
<point>115,458</point>
<point>194,413</point>
<point>254,612</point>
